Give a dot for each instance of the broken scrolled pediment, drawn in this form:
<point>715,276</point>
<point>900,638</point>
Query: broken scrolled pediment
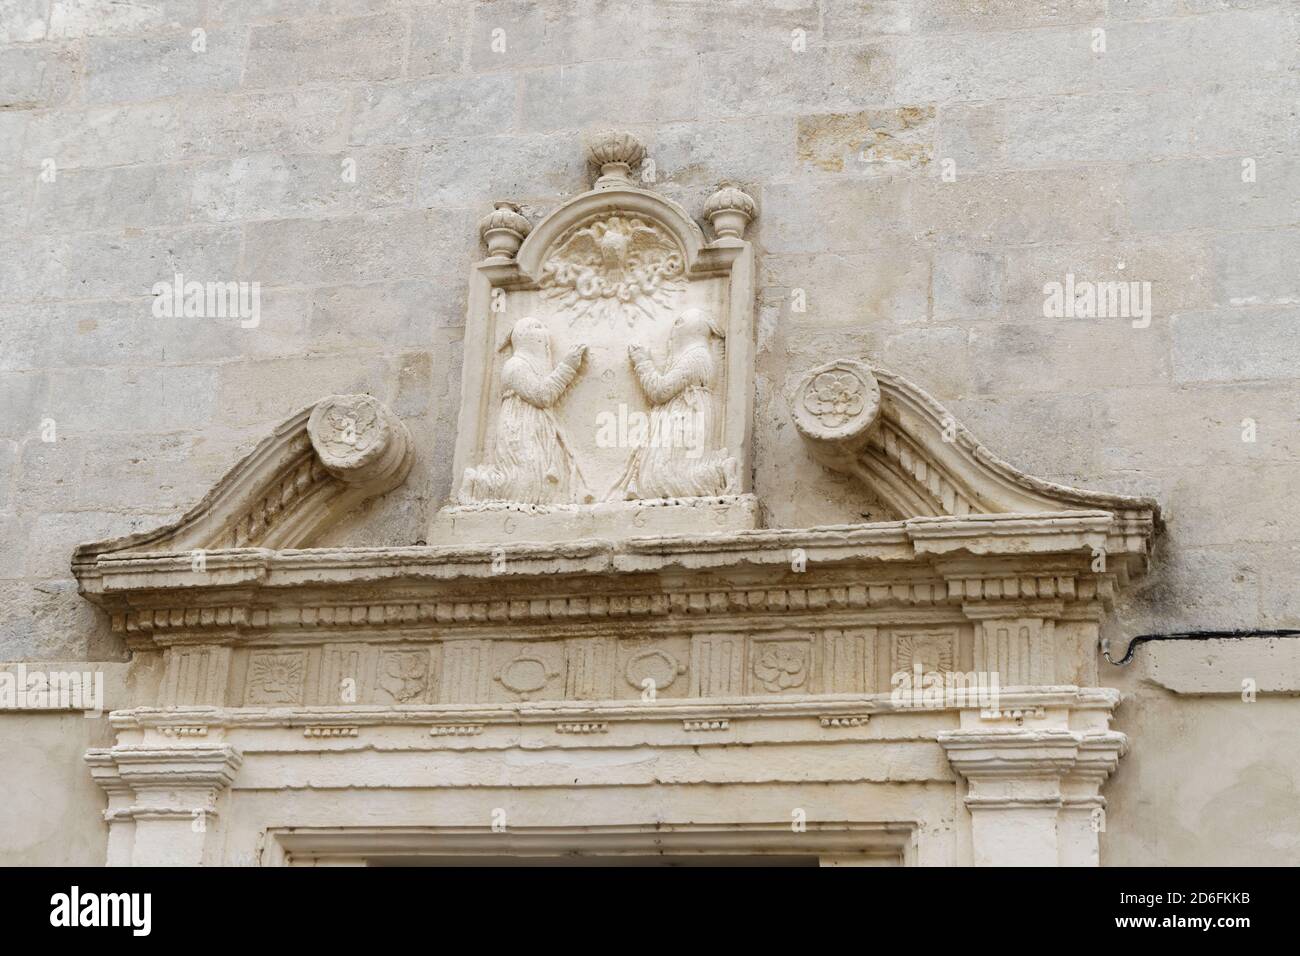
<point>298,481</point>
<point>918,460</point>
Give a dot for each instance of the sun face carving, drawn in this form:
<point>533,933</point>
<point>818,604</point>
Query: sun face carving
<point>616,268</point>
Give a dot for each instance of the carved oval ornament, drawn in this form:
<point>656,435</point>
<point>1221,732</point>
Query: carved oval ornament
<point>655,665</point>
<point>525,674</point>
<point>839,401</point>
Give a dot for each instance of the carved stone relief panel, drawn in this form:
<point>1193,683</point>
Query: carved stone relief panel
<point>783,664</point>
<point>405,676</point>
<point>195,675</point>
<point>931,650</point>
<point>466,672</point>
<point>661,667</point>
<point>528,670</point>
<point>343,674</point>
<point>589,668</point>
<point>276,677</point>
<point>849,661</point>
<point>608,354</point>
<point>1020,650</point>
<point>717,666</point>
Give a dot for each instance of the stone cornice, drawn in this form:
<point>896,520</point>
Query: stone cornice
<point>1061,698</point>
<point>920,563</point>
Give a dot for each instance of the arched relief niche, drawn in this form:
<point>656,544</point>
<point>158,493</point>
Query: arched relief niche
<point>608,366</point>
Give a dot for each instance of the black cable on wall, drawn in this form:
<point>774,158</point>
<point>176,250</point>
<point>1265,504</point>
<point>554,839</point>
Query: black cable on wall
<point>1191,636</point>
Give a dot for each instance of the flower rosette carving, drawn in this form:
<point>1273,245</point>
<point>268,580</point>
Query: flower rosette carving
<point>835,397</point>
<point>837,402</point>
<point>780,667</point>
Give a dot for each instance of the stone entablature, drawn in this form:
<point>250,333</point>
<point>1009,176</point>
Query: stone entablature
<point>622,631</point>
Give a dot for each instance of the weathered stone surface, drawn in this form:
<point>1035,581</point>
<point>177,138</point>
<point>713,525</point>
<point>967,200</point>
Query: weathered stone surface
<point>303,51</point>
<point>33,77</point>
<point>130,68</point>
<point>921,169</point>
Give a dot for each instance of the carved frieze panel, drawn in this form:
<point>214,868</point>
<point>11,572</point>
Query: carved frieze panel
<point>927,650</point>
<point>276,677</point>
<point>1020,650</point>
<point>589,668</point>
<point>658,667</point>
<point>849,660</point>
<point>405,676</point>
<point>783,664</point>
<point>341,676</point>
<point>717,666</point>
<point>467,672</point>
<point>533,670</point>
<point>195,675</point>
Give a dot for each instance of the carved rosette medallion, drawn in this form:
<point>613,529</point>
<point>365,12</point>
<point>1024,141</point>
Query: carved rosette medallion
<point>837,402</point>
<point>358,439</point>
<point>781,666</point>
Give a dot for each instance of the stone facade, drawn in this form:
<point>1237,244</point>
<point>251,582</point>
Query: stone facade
<point>871,204</point>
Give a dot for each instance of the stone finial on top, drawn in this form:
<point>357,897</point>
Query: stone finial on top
<point>503,229</point>
<point>730,210</point>
<point>616,153</point>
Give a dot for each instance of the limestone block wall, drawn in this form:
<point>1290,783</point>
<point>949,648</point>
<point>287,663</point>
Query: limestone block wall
<point>923,169</point>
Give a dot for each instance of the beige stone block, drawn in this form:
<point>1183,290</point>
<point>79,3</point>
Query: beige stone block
<point>318,51</point>
<point>423,110</point>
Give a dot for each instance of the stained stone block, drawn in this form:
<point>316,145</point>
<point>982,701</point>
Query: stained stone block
<point>33,78</point>
<point>1212,194</point>
<point>421,111</point>
<point>523,167</point>
<point>841,216</point>
<point>1257,268</point>
<point>119,69</point>
<point>316,51</point>
<point>24,21</point>
<point>74,19</point>
<point>92,265</point>
<point>966,285</point>
<point>1179,269</point>
<point>1238,344</point>
<point>313,251</point>
<point>623,91</point>
<point>181,129</point>
<point>817,79</point>
<point>272,186</point>
<point>1022,207</point>
<point>121,197</point>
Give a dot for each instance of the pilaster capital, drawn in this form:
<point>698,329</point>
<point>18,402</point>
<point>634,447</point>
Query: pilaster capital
<point>165,780</point>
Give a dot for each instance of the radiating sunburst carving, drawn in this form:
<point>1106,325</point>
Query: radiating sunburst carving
<point>619,267</point>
